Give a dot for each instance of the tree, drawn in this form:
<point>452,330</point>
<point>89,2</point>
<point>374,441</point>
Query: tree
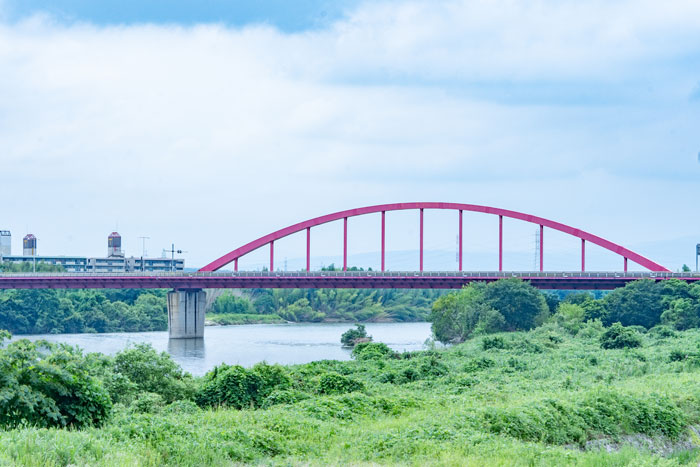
<point>229,303</point>
<point>619,337</point>
<point>522,306</point>
<point>638,303</point>
<point>353,336</point>
<point>682,314</point>
<point>570,317</point>
<point>456,316</point>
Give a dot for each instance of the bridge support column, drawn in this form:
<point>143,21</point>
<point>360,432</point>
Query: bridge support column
<point>186,313</point>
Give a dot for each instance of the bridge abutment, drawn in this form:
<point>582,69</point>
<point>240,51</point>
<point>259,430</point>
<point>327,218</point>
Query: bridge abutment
<point>186,313</point>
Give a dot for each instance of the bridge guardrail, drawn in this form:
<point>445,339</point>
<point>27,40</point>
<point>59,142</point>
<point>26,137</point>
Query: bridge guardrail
<point>484,274</point>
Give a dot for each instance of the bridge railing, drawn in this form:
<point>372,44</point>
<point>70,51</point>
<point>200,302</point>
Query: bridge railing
<point>316,274</point>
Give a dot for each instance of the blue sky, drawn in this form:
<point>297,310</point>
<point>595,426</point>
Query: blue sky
<point>209,124</point>
<point>289,16</point>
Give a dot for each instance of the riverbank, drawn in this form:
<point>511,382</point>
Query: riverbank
<point>228,319</point>
<point>542,397</point>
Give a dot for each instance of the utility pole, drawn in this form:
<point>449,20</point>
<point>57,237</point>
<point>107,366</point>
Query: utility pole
<point>172,256</point>
<point>143,252</point>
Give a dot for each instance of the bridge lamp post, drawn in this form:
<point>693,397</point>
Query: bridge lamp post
<point>697,252</point>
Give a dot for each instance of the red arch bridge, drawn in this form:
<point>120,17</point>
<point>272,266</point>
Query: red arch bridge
<point>185,303</point>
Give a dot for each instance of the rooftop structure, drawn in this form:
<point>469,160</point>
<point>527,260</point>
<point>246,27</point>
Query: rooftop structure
<point>29,245</point>
<point>114,262</point>
<point>5,243</point>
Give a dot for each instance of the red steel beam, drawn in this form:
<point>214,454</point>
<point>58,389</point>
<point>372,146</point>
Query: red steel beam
<point>460,239</point>
<point>272,256</point>
<point>500,243</point>
<point>345,244</point>
<point>308,248</point>
<point>541,248</point>
<point>608,245</point>
<point>421,239</point>
<point>383,236</point>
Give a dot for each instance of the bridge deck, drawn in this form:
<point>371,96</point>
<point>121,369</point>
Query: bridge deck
<point>325,279</point>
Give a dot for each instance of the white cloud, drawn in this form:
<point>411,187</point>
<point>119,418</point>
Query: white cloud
<point>179,132</point>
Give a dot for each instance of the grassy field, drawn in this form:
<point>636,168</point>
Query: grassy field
<point>536,398</point>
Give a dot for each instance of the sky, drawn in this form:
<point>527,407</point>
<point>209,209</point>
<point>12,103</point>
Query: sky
<point>208,124</point>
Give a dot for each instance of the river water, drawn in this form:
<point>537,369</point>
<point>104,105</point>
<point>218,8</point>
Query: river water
<point>252,343</point>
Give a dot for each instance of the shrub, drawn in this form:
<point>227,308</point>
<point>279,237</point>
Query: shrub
<point>353,336</point>
<point>570,317</point>
<point>236,387</point>
<point>432,367</point>
<point>372,350</point>
<point>679,355</point>
<point>47,385</point>
<point>148,402</point>
<point>226,385</point>
<point>661,331</point>
<point>495,342</point>
<point>619,337</point>
<point>154,372</point>
<point>334,383</point>
<point>477,364</point>
<point>286,396</point>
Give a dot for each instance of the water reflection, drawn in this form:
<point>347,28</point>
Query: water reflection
<point>247,345</point>
<point>186,348</point>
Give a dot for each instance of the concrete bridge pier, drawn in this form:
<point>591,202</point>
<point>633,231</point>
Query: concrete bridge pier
<point>186,313</point>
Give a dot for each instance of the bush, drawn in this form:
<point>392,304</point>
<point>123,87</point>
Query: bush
<point>154,372</point>
<point>226,385</point>
<point>286,396</point>
<point>619,337</point>
<point>372,350</point>
<point>661,331</point>
<point>495,342</point>
<point>148,402</point>
<point>236,387</point>
<point>570,317</point>
<point>47,385</point>
<point>478,364</point>
<point>334,383</point>
<point>351,337</point>
<point>678,355</point>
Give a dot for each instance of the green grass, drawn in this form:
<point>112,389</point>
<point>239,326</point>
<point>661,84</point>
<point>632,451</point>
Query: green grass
<point>225,319</point>
<point>540,400</point>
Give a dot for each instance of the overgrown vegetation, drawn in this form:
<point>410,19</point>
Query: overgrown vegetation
<point>76,311</point>
<point>544,396</point>
<point>511,305</point>
<point>559,388</point>
<point>79,311</point>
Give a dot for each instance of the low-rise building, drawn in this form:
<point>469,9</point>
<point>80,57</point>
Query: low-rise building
<point>111,264</point>
<point>114,262</point>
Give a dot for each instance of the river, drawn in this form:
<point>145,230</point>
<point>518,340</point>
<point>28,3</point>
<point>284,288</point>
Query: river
<point>252,343</point>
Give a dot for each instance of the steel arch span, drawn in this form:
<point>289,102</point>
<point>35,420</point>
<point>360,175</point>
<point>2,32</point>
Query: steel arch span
<point>270,239</point>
